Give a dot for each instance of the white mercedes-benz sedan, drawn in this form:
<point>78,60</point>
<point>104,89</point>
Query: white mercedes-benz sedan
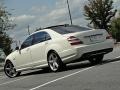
<point>56,46</point>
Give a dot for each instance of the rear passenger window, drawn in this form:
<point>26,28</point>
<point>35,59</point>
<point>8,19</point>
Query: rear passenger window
<point>41,37</point>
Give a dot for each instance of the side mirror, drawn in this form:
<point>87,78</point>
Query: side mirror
<point>17,48</point>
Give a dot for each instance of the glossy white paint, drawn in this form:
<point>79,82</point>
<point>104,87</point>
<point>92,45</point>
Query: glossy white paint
<point>36,55</point>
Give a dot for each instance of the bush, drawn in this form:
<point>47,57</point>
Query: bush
<point>115,29</point>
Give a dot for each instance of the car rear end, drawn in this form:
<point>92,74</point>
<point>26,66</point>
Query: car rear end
<point>87,42</point>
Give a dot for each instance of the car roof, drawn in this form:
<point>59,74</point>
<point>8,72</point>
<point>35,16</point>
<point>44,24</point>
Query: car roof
<point>48,29</point>
<point>57,26</point>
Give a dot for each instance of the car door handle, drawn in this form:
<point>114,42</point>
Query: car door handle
<point>46,43</point>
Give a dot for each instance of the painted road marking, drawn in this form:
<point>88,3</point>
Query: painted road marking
<point>52,80</point>
<point>61,78</point>
<point>118,57</point>
<point>2,77</point>
<point>13,81</point>
<point>115,62</point>
<point>65,77</point>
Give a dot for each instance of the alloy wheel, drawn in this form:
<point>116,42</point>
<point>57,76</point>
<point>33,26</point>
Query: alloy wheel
<point>10,70</point>
<point>54,61</point>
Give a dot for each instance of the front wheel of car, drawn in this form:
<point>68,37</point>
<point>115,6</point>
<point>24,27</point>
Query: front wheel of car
<point>55,62</point>
<point>10,71</point>
<point>96,59</point>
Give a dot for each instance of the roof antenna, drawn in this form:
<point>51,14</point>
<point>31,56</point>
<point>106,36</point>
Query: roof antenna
<point>69,12</point>
<point>28,30</point>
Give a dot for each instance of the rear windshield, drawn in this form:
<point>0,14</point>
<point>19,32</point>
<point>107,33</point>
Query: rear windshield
<point>69,29</point>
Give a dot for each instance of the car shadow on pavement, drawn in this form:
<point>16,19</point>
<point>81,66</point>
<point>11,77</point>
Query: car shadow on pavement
<point>88,64</point>
<point>72,66</point>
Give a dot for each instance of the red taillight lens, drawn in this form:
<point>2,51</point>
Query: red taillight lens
<point>109,37</point>
<point>74,41</point>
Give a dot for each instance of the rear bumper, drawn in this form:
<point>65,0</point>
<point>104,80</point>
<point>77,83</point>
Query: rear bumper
<point>95,47</point>
<point>94,53</point>
<point>86,51</point>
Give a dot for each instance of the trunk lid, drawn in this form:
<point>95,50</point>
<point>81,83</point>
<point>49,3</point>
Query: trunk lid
<point>90,36</point>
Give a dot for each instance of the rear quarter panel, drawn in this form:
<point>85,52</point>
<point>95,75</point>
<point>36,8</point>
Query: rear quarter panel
<point>60,44</point>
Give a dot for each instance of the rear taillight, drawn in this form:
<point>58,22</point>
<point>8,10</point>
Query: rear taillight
<point>109,36</point>
<point>74,41</point>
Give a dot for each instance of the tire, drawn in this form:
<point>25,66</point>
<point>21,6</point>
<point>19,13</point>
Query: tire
<point>96,59</point>
<point>54,62</point>
<point>10,71</point>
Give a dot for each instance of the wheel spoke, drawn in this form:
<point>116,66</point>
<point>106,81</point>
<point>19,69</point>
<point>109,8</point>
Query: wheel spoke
<point>8,69</point>
<point>11,73</point>
<point>56,64</point>
<point>51,57</point>
<point>50,61</point>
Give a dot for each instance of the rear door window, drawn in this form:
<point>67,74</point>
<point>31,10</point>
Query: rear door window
<point>41,37</point>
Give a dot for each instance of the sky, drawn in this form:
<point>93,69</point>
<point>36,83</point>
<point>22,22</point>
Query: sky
<point>43,13</point>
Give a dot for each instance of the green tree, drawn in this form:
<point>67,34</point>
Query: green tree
<point>5,24</point>
<point>115,28</point>
<point>99,12</point>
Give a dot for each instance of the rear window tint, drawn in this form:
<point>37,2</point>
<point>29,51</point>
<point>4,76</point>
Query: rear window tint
<point>69,29</point>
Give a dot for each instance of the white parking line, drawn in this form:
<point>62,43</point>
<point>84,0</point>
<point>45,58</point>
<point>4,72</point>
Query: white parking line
<point>116,61</point>
<point>118,57</point>
<point>2,77</point>
<point>13,81</point>
<point>65,77</point>
<point>60,78</point>
<point>49,81</point>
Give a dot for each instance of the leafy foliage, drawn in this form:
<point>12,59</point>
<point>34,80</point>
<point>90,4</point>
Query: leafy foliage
<point>115,28</point>
<point>99,12</point>
<point>5,24</point>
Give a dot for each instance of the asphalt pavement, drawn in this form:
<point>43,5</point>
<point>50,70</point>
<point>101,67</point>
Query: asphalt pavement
<point>78,76</point>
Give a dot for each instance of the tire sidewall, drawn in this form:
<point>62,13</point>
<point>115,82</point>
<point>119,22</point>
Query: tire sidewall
<point>7,73</point>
